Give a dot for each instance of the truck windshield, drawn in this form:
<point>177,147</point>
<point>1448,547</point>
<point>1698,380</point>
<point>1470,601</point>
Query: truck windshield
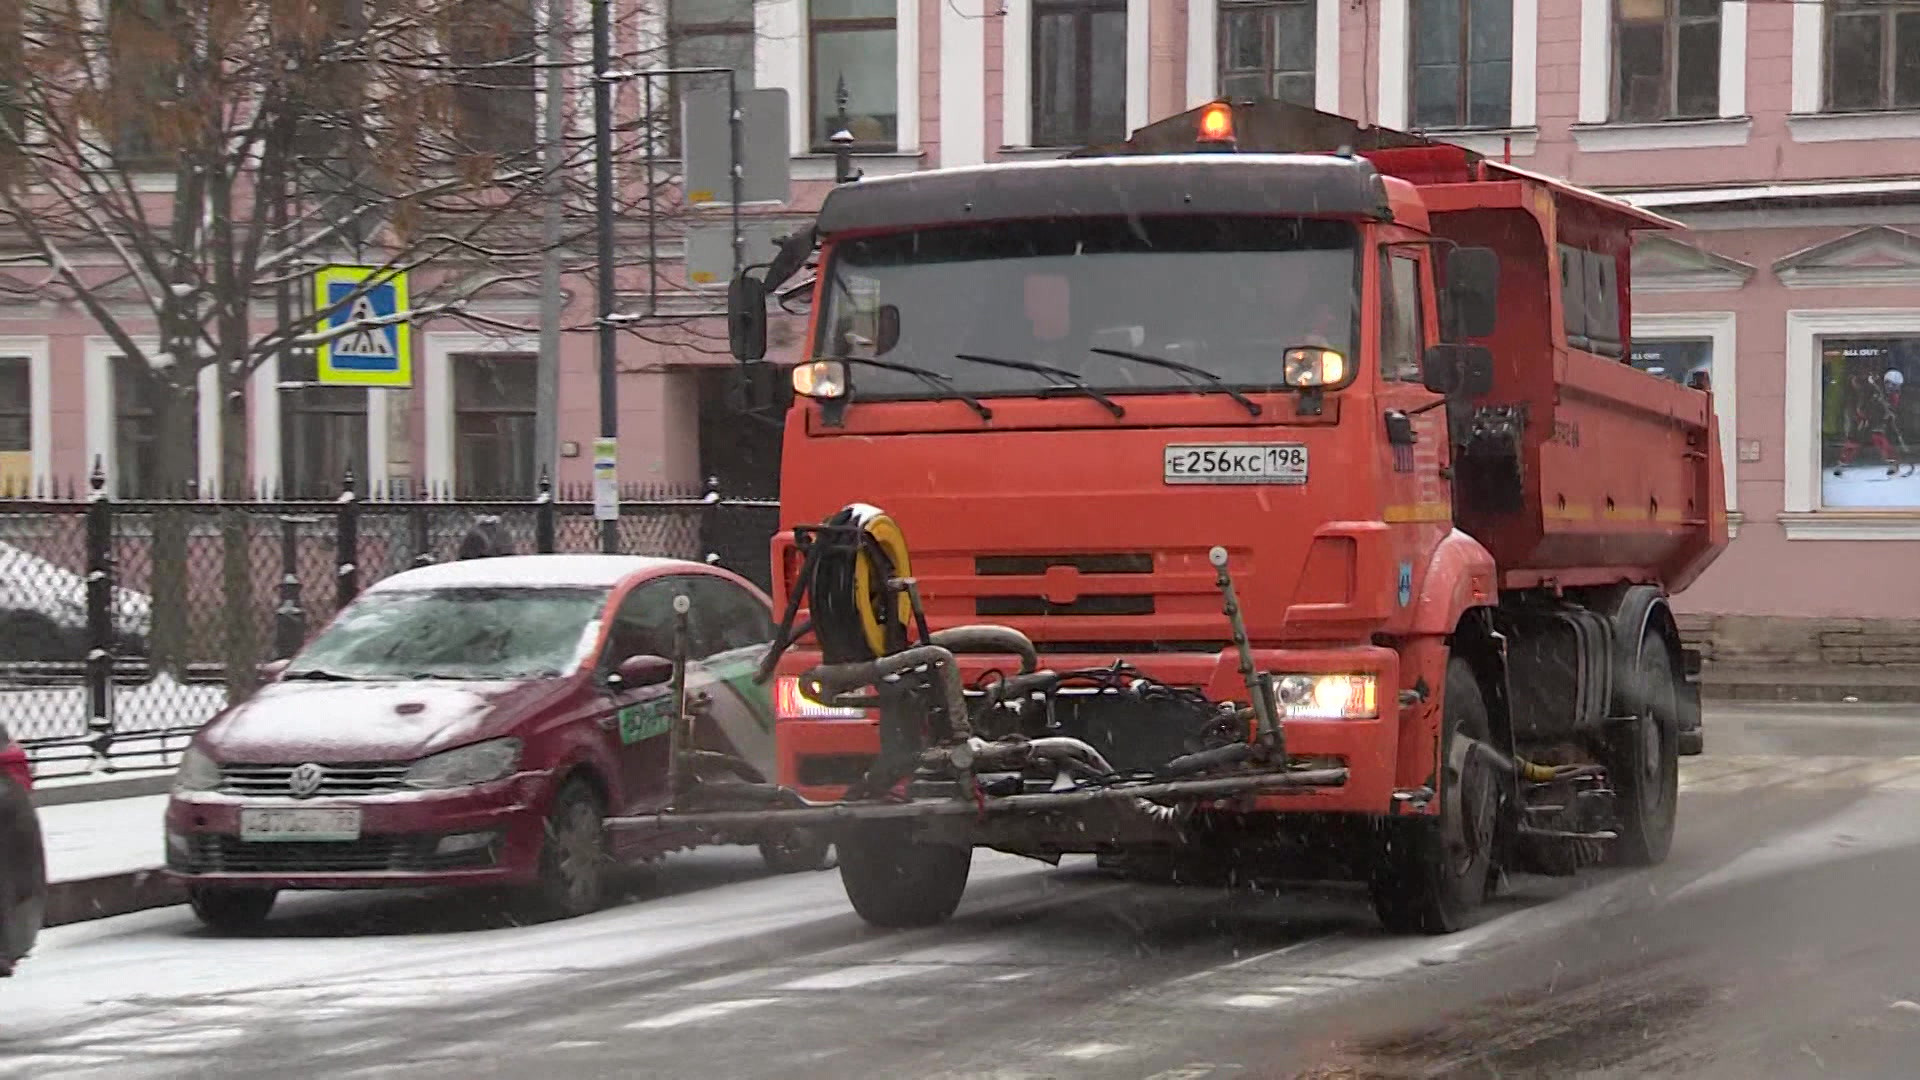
<point>1226,295</point>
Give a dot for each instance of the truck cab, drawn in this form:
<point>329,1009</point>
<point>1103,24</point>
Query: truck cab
<point>1344,358</point>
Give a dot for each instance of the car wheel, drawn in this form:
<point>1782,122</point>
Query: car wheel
<point>23,875</point>
<point>228,909</point>
<point>796,850</point>
<point>574,859</point>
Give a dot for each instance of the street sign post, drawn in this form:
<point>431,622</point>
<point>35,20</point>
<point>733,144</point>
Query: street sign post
<point>372,353</point>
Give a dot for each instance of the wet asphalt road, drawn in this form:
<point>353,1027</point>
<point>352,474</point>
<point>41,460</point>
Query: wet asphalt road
<point>1777,941</point>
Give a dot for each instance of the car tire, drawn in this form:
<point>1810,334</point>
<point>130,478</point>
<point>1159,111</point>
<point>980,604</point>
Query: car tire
<point>898,883</point>
<point>1424,883</point>
<point>228,909</point>
<point>797,850</point>
<point>23,877</point>
<point>574,859</point>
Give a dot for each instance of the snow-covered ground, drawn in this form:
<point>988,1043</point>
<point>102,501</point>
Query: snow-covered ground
<point>111,836</point>
<point>1869,487</point>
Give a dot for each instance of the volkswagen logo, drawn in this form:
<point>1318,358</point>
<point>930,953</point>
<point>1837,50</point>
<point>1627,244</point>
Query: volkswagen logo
<point>306,779</point>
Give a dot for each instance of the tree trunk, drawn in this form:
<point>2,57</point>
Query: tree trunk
<point>237,529</point>
<point>175,427</point>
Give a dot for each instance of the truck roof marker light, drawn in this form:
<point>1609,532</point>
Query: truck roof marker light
<point>1216,123</point>
<point>820,379</point>
<point>1312,368</point>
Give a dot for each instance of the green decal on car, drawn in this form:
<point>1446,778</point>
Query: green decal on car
<point>644,721</point>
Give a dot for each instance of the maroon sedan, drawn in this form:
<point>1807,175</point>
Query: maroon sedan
<point>469,723</point>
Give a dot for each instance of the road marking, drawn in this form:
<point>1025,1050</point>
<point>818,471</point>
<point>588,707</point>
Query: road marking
<point>848,978</point>
<point>1089,1051</point>
<point>1745,772</point>
<point>1255,1001</point>
<point>693,1014</point>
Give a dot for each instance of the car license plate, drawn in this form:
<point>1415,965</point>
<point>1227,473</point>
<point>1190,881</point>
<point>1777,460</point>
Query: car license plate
<point>1237,463</point>
<point>276,824</point>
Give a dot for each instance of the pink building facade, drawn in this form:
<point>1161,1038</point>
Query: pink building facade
<point>1786,136</point>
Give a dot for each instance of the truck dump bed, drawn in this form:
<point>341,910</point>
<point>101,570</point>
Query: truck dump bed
<point>1576,468</point>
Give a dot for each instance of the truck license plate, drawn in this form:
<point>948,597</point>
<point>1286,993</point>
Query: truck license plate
<point>1236,463</point>
<point>275,824</point>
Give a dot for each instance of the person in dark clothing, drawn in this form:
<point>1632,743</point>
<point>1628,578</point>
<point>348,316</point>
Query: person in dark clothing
<point>485,540</point>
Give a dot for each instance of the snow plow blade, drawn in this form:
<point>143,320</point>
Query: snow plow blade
<point>733,822</point>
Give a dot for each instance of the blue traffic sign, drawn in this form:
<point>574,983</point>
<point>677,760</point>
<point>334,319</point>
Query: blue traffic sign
<point>374,349</point>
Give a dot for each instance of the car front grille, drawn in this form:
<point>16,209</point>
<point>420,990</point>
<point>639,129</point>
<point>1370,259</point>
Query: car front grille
<point>213,853</point>
<point>352,779</point>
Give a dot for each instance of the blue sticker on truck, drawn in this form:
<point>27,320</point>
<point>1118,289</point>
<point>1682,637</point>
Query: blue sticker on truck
<point>1406,584</point>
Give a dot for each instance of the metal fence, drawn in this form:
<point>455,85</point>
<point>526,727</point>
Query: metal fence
<point>125,625</point>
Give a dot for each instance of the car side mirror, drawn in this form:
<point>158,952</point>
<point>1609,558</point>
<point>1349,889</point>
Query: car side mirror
<point>273,669</point>
<point>747,318</point>
<point>1458,371</point>
<point>639,672</point>
<point>1473,291</point>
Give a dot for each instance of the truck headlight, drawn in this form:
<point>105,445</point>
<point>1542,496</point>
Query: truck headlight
<point>1310,367</point>
<point>792,703</point>
<point>820,379</point>
<point>1327,697</point>
<point>466,766</point>
<point>197,772</point>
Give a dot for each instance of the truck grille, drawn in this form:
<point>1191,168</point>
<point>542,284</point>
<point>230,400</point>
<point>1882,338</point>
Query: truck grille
<point>212,853</point>
<point>355,779</point>
<point>1132,563</point>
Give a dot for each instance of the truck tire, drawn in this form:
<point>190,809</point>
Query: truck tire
<point>228,909</point>
<point>1422,883</point>
<point>896,882</point>
<point>1643,761</point>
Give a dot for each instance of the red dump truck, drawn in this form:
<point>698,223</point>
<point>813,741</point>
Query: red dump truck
<point>1282,505</point>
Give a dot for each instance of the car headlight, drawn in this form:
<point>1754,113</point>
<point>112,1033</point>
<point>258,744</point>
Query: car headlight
<point>792,703</point>
<point>1327,697</point>
<point>466,766</point>
<point>197,772</point>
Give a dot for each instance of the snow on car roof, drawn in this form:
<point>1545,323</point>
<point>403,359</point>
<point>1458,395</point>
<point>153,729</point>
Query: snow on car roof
<point>530,571</point>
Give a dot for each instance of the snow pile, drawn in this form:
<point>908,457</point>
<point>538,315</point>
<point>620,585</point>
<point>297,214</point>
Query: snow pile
<point>31,583</point>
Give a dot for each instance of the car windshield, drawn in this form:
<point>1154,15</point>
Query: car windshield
<point>1225,295</point>
<point>469,633</point>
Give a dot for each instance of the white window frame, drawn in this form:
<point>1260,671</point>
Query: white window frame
<point>263,429</point>
<point>436,385</point>
<point>1801,515</point>
<point>1597,132</point>
<point>1396,91</point>
<point>99,352</point>
<point>1721,328</point>
<point>1016,72</point>
<point>1808,122</point>
<point>38,353</point>
<point>1203,53</point>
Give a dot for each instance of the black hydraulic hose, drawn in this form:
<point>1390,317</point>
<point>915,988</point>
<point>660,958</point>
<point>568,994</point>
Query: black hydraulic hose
<point>988,639</point>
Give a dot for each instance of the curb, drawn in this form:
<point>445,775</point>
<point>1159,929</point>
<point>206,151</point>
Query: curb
<point>1811,693</point>
<point>86,899</point>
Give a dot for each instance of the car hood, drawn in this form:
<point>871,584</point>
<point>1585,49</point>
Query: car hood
<point>288,723</point>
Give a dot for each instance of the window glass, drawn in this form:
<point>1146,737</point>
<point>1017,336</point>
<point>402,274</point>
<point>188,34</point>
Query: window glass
<point>1400,319</point>
<point>1866,422</point>
<point>492,48</point>
<point>728,617</point>
<point>643,623</point>
<point>1461,70</point>
<point>1666,59</point>
<point>1079,94</point>
<point>1872,54</point>
<point>1677,359</point>
<point>854,43</point>
<point>494,410</point>
<point>1267,50</point>
<point>16,425</point>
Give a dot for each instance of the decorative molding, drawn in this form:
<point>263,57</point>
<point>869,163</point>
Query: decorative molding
<point>821,166</point>
<point>1665,265</point>
<point>1801,452</point>
<point>1850,525</point>
<point>906,44</point>
<point>1720,327</point>
<point>963,82</point>
<point>1326,55</point>
<point>1139,59</point>
<point>1873,256</point>
<point>1809,39</point>
<point>1490,142</point>
<point>1663,135</point>
<point>1853,127</point>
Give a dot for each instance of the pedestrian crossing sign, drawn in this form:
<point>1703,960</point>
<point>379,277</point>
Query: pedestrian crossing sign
<point>374,348</point>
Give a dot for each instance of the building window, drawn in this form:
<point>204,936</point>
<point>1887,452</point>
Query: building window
<point>1462,60</point>
<point>1079,72</point>
<point>1666,59</point>
<point>16,426</point>
<point>1679,359</point>
<point>492,51</point>
<point>1267,50</point>
<point>706,33</point>
<point>323,432</point>
<point>1867,456</point>
<point>853,41</point>
<point>493,403</point>
<point>138,440</point>
<point>144,47</point>
<point>1873,55</point>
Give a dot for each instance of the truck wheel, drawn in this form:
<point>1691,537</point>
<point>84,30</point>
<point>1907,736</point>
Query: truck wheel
<point>1433,871</point>
<point>897,882</point>
<point>796,850</point>
<point>574,859</point>
<point>230,910</point>
<point>1643,761</point>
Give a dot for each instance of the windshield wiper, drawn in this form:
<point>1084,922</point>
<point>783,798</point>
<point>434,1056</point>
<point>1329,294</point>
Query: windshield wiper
<point>317,675</point>
<point>926,375</point>
<point>1071,378</point>
<point>1253,407</point>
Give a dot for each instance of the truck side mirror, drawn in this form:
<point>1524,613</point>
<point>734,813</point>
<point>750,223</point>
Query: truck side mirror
<point>747,318</point>
<point>1462,371</point>
<point>1473,291</point>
